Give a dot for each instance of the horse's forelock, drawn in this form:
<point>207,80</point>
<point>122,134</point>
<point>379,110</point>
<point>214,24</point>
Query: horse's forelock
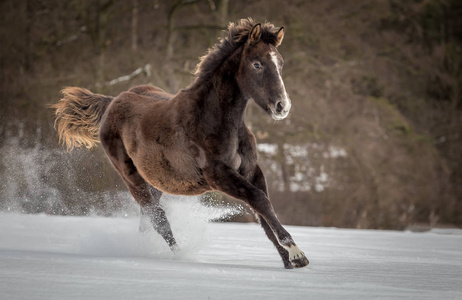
<point>239,31</point>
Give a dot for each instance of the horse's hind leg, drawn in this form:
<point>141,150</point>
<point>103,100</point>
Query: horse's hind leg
<point>146,196</point>
<point>145,219</point>
<point>155,214</point>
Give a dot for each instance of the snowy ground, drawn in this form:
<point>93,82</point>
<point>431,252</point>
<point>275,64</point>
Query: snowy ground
<point>44,257</point>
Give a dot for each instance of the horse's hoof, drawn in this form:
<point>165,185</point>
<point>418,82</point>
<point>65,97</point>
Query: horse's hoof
<point>300,262</point>
<point>288,265</point>
<point>297,257</point>
<point>175,248</point>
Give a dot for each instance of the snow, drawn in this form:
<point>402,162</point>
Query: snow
<point>270,149</point>
<point>51,257</point>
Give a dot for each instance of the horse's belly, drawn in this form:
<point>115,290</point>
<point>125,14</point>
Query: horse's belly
<point>174,173</point>
<point>180,188</point>
<point>175,184</point>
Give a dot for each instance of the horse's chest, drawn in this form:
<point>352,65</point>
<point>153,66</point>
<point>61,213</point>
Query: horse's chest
<point>231,155</point>
<point>240,156</point>
<point>235,162</point>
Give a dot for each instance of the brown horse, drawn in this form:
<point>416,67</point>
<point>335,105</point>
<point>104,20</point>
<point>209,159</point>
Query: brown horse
<point>195,141</point>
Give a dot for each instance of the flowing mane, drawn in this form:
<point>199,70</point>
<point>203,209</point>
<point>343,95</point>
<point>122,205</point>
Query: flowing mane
<point>235,36</point>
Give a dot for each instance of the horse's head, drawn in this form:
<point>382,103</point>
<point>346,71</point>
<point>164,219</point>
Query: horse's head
<point>259,75</point>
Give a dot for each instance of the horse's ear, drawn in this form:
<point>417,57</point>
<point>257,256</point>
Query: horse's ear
<point>279,36</point>
<point>255,33</point>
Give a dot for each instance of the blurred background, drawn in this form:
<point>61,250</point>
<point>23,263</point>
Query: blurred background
<point>373,139</point>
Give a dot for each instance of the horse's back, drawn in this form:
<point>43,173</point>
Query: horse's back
<point>125,113</point>
<point>130,105</point>
<point>151,91</point>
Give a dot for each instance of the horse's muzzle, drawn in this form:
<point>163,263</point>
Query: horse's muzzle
<point>280,110</point>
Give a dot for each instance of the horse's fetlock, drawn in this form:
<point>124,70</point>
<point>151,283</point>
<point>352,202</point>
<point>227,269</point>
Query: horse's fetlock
<point>287,242</point>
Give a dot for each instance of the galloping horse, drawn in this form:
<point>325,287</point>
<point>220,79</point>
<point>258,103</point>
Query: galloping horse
<point>195,141</point>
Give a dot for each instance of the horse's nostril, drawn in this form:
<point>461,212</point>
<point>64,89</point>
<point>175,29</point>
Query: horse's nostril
<point>279,107</point>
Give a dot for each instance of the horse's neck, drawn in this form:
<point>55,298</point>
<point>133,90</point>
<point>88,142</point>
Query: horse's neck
<point>226,105</point>
<point>219,100</point>
<point>222,105</point>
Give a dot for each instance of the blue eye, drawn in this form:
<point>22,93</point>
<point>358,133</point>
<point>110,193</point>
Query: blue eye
<point>257,65</point>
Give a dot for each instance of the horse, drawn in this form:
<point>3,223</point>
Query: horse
<point>196,140</point>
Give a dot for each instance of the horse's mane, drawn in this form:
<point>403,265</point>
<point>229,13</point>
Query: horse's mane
<point>235,36</point>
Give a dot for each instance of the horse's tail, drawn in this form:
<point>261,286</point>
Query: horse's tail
<point>78,117</point>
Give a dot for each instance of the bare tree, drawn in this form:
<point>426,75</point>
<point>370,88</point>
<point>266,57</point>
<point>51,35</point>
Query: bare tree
<point>134,25</point>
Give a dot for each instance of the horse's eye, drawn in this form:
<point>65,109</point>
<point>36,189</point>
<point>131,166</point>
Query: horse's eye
<point>257,65</point>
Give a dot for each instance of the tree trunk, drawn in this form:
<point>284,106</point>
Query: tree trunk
<point>135,25</point>
<point>29,24</point>
<point>171,28</point>
<point>281,157</point>
<point>99,38</point>
<point>222,10</point>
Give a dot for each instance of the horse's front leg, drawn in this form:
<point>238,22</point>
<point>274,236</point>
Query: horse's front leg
<point>223,178</point>
<point>259,182</point>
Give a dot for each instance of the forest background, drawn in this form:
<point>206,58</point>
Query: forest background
<point>373,139</point>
